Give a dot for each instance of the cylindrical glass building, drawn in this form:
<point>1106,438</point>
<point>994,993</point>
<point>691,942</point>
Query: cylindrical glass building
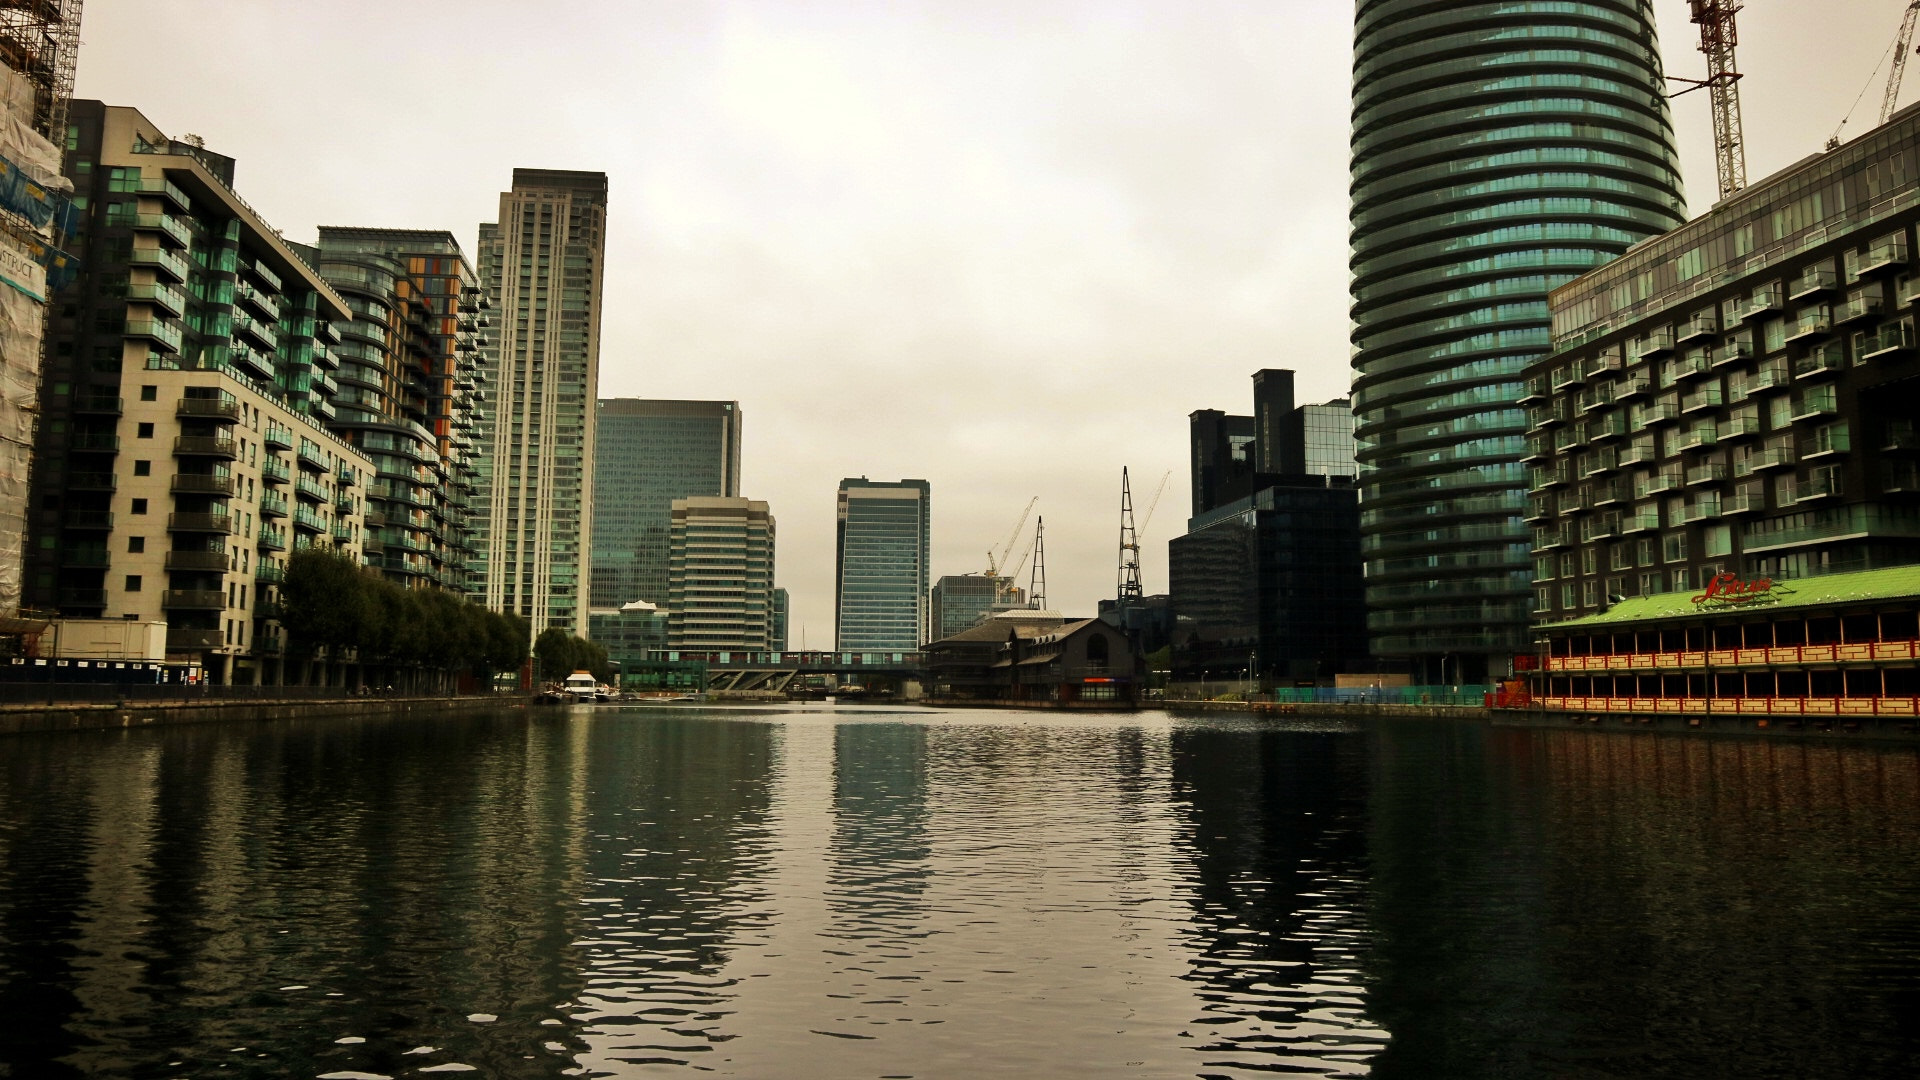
<point>1499,150</point>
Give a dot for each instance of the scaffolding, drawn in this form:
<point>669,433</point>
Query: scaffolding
<point>40,39</point>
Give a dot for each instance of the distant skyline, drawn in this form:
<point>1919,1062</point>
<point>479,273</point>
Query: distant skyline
<point>1006,247</point>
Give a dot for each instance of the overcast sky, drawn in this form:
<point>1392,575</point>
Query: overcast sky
<point>1004,245</point>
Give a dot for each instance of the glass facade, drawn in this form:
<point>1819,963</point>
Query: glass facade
<point>1327,434</point>
<point>1498,151</point>
<point>880,574</point>
<point>649,453</point>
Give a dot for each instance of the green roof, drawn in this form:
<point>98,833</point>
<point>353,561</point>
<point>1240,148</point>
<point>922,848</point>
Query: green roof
<point>1894,583</point>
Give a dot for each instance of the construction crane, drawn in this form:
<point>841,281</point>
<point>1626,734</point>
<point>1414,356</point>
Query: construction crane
<point>1718,37</point>
<point>1037,587</point>
<point>994,564</point>
<point>1902,44</point>
<point>1130,588</point>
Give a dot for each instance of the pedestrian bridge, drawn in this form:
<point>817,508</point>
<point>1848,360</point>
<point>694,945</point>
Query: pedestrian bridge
<point>779,670</point>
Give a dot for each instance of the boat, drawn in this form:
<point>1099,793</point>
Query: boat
<point>582,687</point>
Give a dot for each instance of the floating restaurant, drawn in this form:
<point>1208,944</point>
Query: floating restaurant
<point>1838,649</point>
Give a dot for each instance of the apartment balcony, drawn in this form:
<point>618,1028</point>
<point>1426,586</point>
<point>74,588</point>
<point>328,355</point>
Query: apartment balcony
<point>218,485</point>
<point>1568,376</point>
<point>267,609</point>
<point>1821,485</point>
<point>273,505</point>
<point>1657,483</point>
<point>198,560</point>
<point>311,490</point>
<point>97,405</point>
<point>1886,254</point>
<point>1654,344</point>
<point>81,558</point>
<point>159,336</point>
<point>206,446</point>
<point>1666,410</point>
<point>1708,472</point>
<point>257,332</point>
<point>342,533</point>
<point>1697,438</point>
<point>1645,521</point>
<point>1611,426</point>
<point>1540,479</point>
<point>91,442</point>
<point>200,523</point>
<point>1541,417</point>
<point>1568,438</point>
<point>193,640</point>
<point>167,190</point>
<point>1739,427</point>
<point>165,297</point>
<point>277,437</point>
<point>1533,390</point>
<point>327,332</point>
<point>311,456</point>
<point>1548,537</point>
<point>1733,351</point>
<point>225,410</point>
<point>1601,462</point>
<point>1814,404</point>
<point>1825,442</point>
<point>1773,457</point>
<point>1599,528</point>
<point>1696,328</point>
<point>168,229</point>
<point>1770,376</point>
<point>1762,301</point>
<point>306,520</point>
<point>1537,449</point>
<point>90,481</point>
<point>1702,510</point>
<point>1539,508</point>
<point>194,600</point>
<point>1857,308</point>
<point>1746,502</point>
<point>1892,338</point>
<point>268,574</point>
<point>164,262</point>
<point>1633,385</point>
<point>249,360</point>
<point>1810,324</point>
<point>81,598</point>
<point>263,305</point>
<point>272,539</point>
<point>262,273</point>
<point>1813,281</point>
<point>324,409</point>
<point>346,477</point>
<point>87,520</point>
<point>323,357</point>
<point>274,471</point>
<point>1704,397</point>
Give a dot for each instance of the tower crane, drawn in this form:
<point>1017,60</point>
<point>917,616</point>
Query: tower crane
<point>1130,588</point>
<point>1902,44</point>
<point>994,564</point>
<point>1718,37</point>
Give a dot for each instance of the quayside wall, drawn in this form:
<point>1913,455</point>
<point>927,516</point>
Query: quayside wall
<point>17,719</point>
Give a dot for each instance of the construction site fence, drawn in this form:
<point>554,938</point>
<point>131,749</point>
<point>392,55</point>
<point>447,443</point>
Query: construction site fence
<point>1474,695</point>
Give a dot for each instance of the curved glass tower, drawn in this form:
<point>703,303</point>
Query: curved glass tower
<point>1499,150</point>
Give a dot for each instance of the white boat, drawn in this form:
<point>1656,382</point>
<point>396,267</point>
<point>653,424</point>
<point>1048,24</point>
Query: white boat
<point>581,686</point>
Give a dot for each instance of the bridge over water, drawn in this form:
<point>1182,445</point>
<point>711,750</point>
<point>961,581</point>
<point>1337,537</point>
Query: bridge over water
<point>781,670</point>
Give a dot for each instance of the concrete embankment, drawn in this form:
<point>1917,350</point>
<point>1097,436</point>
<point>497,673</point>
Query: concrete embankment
<point>19,719</point>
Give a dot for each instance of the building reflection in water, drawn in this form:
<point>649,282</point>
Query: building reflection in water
<point>1579,903</point>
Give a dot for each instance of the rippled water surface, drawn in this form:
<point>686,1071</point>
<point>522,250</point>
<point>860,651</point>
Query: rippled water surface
<point>912,893</point>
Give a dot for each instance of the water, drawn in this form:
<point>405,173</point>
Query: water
<point>875,893</point>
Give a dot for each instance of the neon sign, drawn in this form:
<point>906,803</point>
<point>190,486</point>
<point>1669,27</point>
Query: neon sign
<point>1729,589</point>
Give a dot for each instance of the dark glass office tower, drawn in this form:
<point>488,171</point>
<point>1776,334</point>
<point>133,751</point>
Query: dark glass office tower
<point>1499,150</point>
<point>649,453</point>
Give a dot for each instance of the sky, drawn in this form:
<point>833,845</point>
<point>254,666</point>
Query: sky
<point>1002,246</point>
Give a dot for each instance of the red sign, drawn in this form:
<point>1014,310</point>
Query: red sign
<point>1729,589</point>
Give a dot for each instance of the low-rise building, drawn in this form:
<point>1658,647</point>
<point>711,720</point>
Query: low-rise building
<point>1036,658</point>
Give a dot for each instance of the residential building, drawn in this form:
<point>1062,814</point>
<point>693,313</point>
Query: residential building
<point>1266,583</point>
<point>780,612</point>
<point>409,394</point>
<point>880,567</point>
<point>720,575</point>
<point>541,266</point>
<point>647,454</point>
<point>183,448</point>
<point>1741,395</point>
<point>1498,150</point>
<point>960,601</point>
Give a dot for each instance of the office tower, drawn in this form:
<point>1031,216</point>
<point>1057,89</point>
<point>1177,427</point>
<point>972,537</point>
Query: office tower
<point>649,453</point>
<point>880,565</point>
<point>720,575</point>
<point>1737,397</point>
<point>541,267</point>
<point>1267,580</point>
<point>409,391</point>
<point>1498,151</point>
<point>961,601</point>
<point>183,447</point>
<point>778,636</point>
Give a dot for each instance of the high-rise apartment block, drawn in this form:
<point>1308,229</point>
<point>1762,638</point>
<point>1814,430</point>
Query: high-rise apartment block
<point>409,393</point>
<point>541,265</point>
<point>1740,396</point>
<point>183,447</point>
<point>880,568</point>
<point>649,453</point>
<point>720,575</point>
<point>1498,151</point>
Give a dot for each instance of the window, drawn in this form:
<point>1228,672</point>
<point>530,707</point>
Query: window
<point>136,544</point>
<point>149,393</point>
<point>143,468</point>
<point>139,506</point>
<point>144,431</point>
<point>1675,547</point>
<point>133,582</point>
<point>1716,540</point>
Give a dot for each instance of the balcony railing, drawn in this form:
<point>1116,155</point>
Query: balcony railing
<point>208,408</point>
<point>202,484</point>
<point>194,599</point>
<point>208,523</point>
<point>197,560</point>
<point>205,446</point>
<point>189,640</point>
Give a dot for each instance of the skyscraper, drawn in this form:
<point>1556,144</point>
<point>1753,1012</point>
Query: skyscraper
<point>880,576</point>
<point>647,454</point>
<point>1499,150</point>
<point>541,265</point>
<point>720,591</point>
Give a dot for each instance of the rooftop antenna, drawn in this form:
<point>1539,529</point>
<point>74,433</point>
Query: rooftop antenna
<point>1129,590</point>
<point>1037,585</point>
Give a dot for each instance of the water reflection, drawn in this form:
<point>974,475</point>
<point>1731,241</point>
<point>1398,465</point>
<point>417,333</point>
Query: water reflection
<point>632,892</point>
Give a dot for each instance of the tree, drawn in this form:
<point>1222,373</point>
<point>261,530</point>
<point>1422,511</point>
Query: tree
<point>553,654</point>
<point>506,643</point>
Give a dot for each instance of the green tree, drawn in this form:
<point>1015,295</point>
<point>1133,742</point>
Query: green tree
<point>506,643</point>
<point>324,600</point>
<point>553,654</point>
